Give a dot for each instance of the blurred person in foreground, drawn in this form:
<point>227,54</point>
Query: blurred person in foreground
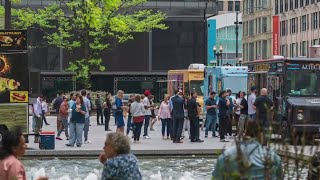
<point>119,163</point>
<point>13,148</point>
<point>248,159</point>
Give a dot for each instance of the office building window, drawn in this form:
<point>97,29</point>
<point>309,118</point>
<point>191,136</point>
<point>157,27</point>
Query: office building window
<point>230,5</point>
<point>276,7</point>
<point>251,51</point>
<point>316,42</point>
<point>264,24</point>
<point>259,25</point>
<point>264,4</point>
<point>285,5</point>
<point>293,27</point>
<point>281,6</point>
<point>237,6</point>
<point>301,3</point>
<point>303,48</point>
<point>251,27</point>
<point>307,2</point>
<point>258,50</point>
<point>303,23</point>
<point>314,20</point>
<point>290,4</point>
<point>293,50</point>
<point>296,4</point>
<point>265,49</point>
<point>251,6</point>
<point>283,28</point>
<point>313,1</point>
<point>220,6</point>
<point>283,50</point>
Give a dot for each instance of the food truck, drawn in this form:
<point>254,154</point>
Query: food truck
<point>294,86</point>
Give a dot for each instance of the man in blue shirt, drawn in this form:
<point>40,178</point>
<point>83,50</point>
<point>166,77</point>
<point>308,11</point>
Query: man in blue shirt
<point>223,105</point>
<point>211,116</point>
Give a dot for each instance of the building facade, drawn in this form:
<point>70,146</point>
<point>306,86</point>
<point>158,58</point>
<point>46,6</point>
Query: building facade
<point>299,26</point>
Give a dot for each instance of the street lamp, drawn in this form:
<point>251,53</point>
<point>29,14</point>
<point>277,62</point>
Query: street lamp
<point>218,53</point>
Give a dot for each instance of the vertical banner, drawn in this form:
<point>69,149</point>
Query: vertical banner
<point>275,35</point>
<point>212,36</point>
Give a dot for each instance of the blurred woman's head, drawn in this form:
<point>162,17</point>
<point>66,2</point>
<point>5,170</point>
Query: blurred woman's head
<point>120,94</point>
<point>166,97</point>
<point>13,143</point>
<point>137,98</point>
<point>79,100</point>
<point>116,144</point>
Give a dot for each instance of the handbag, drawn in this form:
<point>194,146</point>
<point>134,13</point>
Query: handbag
<point>138,119</point>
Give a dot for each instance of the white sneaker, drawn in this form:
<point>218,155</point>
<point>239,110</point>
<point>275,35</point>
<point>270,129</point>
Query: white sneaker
<point>87,142</point>
<point>146,137</point>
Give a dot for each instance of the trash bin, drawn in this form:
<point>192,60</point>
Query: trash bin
<point>47,140</point>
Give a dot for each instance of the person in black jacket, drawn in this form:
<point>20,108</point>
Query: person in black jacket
<point>107,111</point>
<point>178,116</point>
<point>194,118</point>
<point>223,105</point>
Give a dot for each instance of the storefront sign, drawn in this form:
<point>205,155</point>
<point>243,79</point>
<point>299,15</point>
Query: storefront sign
<point>262,67</point>
<point>196,76</point>
<point>306,67</point>
<point>275,35</point>
<point>13,40</point>
<point>14,77</point>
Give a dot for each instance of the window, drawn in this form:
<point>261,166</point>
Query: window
<point>245,28</point>
<point>304,83</point>
<point>315,20</point>
<point>264,4</point>
<point>259,25</point>
<point>281,6</point>
<point>316,42</point>
<point>251,28</point>
<point>230,5</point>
<point>301,3</point>
<point>264,47</point>
<point>276,7</point>
<point>264,24</point>
<point>237,5</point>
<point>251,51</point>
<point>296,4</point>
<point>220,6</point>
<point>251,6</point>
<point>293,50</point>
<point>283,28</point>
<point>285,5</point>
<point>293,25</point>
<point>291,4</point>
<point>303,23</point>
<point>303,48</point>
<point>313,1</point>
<point>307,2</point>
<point>258,56</point>
<point>283,50</point>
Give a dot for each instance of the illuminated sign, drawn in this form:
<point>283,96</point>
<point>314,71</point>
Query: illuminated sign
<point>262,67</point>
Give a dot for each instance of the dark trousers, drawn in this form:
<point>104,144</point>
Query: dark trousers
<point>194,128</point>
<point>166,123</point>
<point>129,125</point>
<point>177,128</point>
<point>44,118</point>
<point>107,119</point>
<point>229,124</point>
<point>223,122</point>
<point>137,130</point>
<point>146,124</point>
<point>99,113</point>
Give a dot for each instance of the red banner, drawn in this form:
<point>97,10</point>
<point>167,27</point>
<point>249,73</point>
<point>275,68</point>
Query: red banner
<point>275,35</point>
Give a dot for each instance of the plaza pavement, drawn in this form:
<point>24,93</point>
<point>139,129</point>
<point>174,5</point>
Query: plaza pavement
<point>154,146</point>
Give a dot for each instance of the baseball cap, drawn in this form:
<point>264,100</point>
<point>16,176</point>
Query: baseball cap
<point>147,93</point>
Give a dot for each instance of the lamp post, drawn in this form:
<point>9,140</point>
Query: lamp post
<point>218,53</point>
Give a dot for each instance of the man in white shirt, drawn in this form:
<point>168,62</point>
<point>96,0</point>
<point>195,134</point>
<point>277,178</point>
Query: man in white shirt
<point>44,111</point>
<point>37,110</point>
<point>87,121</point>
<point>147,114</point>
<point>251,99</point>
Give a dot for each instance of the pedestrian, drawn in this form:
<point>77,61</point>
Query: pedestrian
<point>44,111</point>
<point>186,122</point>
<point>37,109</point>
<point>138,112</point>
<point>77,122</point>
<point>237,111</point>
<point>63,112</point>
<point>164,114</point>
<point>153,117</point>
<point>178,105</point>
<point>251,99</point>
<point>147,116</point>
<point>56,106</point>
<point>119,112</point>
<point>118,162</point>
<point>87,104</point>
<point>248,159</point>
<point>230,113</point>
<point>211,116</point>
<point>107,111</point>
<point>98,103</point>
<point>223,105</point>
<point>71,102</point>
<point>263,105</point>
<point>129,119</point>
<point>193,117</point>
<point>13,148</point>
<point>243,106</point>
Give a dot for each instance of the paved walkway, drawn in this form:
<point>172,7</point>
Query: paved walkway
<point>154,146</point>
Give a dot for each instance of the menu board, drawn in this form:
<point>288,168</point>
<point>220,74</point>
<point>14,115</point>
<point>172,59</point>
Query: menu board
<point>13,40</point>
<point>14,84</point>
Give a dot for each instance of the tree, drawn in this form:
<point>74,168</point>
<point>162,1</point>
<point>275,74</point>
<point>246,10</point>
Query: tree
<point>91,25</point>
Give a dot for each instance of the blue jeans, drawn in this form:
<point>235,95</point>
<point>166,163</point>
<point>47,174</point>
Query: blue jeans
<point>76,130</point>
<point>129,125</point>
<point>166,123</point>
<point>211,119</point>
<point>146,124</point>
<point>64,126</point>
<point>86,128</point>
<point>252,117</point>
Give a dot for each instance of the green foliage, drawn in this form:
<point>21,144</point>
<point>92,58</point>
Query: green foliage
<point>90,25</point>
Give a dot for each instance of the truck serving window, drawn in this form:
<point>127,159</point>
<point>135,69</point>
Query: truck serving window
<point>197,86</point>
<point>303,83</point>
<point>234,83</point>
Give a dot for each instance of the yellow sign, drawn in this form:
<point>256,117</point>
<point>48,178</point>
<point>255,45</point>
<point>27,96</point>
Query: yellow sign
<point>19,96</point>
<point>196,76</point>
<point>262,67</point>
